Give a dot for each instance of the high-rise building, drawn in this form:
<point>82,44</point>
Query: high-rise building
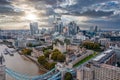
<point>96,28</point>
<point>58,24</point>
<point>91,29</point>
<point>34,28</point>
<point>73,29</point>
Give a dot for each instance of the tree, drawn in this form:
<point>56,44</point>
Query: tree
<point>58,56</point>
<point>61,57</point>
<point>56,50</point>
<point>91,45</point>
<point>55,53</point>
<point>68,76</point>
<point>49,66</point>
<point>52,65</point>
<point>26,51</point>
<point>42,60</point>
<point>47,53</point>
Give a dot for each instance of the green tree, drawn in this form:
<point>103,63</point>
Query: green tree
<point>58,56</point>
<point>52,65</point>
<point>47,53</point>
<point>68,76</point>
<point>91,45</point>
<point>55,53</point>
<point>42,60</point>
<point>61,57</point>
<point>49,66</point>
<point>26,51</point>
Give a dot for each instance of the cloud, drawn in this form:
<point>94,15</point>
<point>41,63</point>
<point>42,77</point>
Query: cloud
<point>94,12</point>
<point>3,2</point>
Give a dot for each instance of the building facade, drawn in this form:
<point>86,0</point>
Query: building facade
<point>100,68</point>
<point>34,28</point>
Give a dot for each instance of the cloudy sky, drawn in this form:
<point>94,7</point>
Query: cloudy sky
<point>17,14</point>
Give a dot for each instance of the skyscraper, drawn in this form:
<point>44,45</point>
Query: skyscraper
<point>96,28</point>
<point>73,28</point>
<point>58,24</point>
<point>34,28</point>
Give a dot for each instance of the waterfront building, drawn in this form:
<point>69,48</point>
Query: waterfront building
<point>106,57</point>
<point>99,72</point>
<point>101,67</point>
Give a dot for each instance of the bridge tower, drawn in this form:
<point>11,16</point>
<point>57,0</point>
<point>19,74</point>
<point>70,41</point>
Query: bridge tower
<point>62,69</point>
<point>2,72</point>
<point>2,68</point>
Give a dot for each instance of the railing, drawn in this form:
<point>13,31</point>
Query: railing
<point>51,75</point>
<point>19,76</point>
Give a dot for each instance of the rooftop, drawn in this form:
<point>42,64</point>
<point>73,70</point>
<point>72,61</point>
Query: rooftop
<point>99,57</point>
<point>103,56</point>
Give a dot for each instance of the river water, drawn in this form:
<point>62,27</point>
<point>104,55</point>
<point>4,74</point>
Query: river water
<point>19,64</point>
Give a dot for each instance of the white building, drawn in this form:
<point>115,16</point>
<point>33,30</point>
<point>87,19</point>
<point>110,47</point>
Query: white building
<point>60,47</point>
<point>80,36</point>
<point>104,41</point>
<point>21,42</point>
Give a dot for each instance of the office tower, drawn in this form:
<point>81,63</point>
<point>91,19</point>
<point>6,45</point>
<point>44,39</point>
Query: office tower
<point>72,28</point>
<point>58,24</point>
<point>34,28</point>
<point>91,29</point>
<point>96,28</point>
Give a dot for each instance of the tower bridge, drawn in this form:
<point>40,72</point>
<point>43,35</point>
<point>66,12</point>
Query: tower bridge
<point>53,74</point>
<point>56,73</point>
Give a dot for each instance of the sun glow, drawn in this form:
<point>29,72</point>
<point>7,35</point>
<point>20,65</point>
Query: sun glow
<point>31,17</point>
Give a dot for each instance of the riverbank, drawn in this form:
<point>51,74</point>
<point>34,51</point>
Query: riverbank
<point>35,61</point>
<point>19,63</point>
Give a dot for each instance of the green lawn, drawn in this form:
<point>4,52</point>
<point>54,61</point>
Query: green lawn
<point>85,59</point>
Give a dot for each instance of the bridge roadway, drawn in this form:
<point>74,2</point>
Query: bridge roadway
<point>54,74</point>
<point>51,75</point>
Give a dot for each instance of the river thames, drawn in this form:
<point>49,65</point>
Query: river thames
<point>19,63</point>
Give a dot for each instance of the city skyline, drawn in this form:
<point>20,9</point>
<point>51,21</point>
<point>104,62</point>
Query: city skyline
<point>17,14</point>
<point>59,39</point>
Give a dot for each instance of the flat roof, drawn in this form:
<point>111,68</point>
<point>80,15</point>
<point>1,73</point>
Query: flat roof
<point>103,54</point>
<point>99,57</point>
<point>108,51</point>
